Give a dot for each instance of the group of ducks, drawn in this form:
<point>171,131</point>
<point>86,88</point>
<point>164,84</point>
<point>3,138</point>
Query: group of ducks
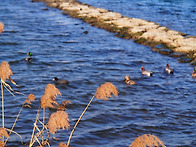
<point>169,70</point>
<point>128,81</point>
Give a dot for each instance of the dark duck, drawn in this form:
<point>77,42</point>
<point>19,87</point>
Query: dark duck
<point>60,81</point>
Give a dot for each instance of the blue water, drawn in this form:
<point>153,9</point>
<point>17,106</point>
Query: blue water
<point>162,105</point>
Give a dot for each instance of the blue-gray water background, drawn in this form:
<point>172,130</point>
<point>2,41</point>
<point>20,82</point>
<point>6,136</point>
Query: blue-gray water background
<point>162,105</point>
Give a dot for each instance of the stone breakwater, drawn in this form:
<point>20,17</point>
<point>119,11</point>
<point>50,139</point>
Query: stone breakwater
<point>158,37</point>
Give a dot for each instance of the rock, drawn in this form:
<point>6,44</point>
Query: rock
<point>165,51</point>
<point>176,54</point>
<point>184,59</point>
<point>193,62</point>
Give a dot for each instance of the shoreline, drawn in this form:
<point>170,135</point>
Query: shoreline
<point>159,38</point>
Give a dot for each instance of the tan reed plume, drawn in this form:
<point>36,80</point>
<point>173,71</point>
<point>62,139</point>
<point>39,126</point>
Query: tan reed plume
<point>49,97</point>
<point>58,120</point>
<point>3,133</point>
<point>103,92</point>
<point>147,140</point>
<point>62,145</point>
<point>5,71</point>
<point>1,27</point>
<point>30,99</point>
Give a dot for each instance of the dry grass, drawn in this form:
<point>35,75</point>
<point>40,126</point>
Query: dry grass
<point>62,145</point>
<point>3,133</point>
<point>5,70</point>
<point>147,140</point>
<point>63,105</point>
<point>105,91</point>
<point>1,27</point>
<point>49,97</point>
<point>30,99</point>
<point>58,120</point>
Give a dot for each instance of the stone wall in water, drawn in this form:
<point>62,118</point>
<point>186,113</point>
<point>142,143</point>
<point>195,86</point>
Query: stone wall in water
<point>141,31</point>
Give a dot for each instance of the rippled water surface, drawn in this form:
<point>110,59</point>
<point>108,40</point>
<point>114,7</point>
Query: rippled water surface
<point>162,105</point>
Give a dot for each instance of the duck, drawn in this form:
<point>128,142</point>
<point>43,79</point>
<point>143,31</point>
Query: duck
<point>29,56</point>
<point>60,81</point>
<point>63,105</point>
<point>194,73</point>
<point>169,70</point>
<point>145,72</point>
<point>128,81</point>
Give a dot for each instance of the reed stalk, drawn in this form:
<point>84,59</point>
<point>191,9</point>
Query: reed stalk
<point>32,136</point>
<point>43,124</point>
<point>79,120</point>
<point>2,104</point>
<point>13,125</point>
<point>29,99</point>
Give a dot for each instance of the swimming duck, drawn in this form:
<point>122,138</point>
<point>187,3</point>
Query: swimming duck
<point>63,105</point>
<point>194,73</point>
<point>169,70</point>
<point>147,73</point>
<point>60,81</point>
<point>29,56</point>
<point>128,81</point>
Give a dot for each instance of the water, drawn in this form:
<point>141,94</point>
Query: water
<point>162,105</point>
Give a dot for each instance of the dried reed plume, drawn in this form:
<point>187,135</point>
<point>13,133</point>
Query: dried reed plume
<point>105,91</point>
<point>147,140</point>
<point>3,133</point>
<point>49,97</point>
<point>5,71</point>
<point>63,105</point>
<point>1,27</point>
<point>30,99</point>
<point>62,145</point>
<point>58,120</point>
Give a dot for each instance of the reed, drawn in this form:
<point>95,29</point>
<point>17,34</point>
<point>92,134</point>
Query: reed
<point>62,145</point>
<point>1,27</point>
<point>48,100</point>
<point>27,102</point>
<point>57,121</point>
<point>5,73</point>
<point>147,140</point>
<point>30,98</point>
<point>3,133</point>
<point>103,92</point>
<point>49,97</point>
